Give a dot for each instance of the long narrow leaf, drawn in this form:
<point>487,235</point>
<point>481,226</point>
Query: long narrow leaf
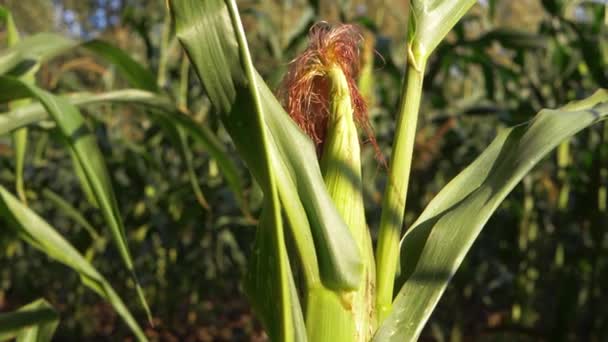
<point>136,74</point>
<point>178,137</point>
<point>34,113</point>
<point>213,37</point>
<point>41,332</point>
<point>71,212</point>
<point>433,249</point>
<point>37,232</point>
<point>212,47</point>
<point>44,46</point>
<point>35,321</point>
<point>19,136</point>
<point>31,50</point>
<point>83,146</point>
<point>430,21</point>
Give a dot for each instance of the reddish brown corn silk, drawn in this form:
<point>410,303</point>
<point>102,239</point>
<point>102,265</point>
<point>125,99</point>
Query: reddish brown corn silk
<point>305,90</point>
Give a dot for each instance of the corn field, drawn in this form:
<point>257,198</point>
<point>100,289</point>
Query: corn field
<point>214,170</point>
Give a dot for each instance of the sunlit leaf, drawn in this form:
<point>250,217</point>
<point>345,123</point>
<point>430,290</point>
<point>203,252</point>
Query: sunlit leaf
<point>211,45</point>
<point>38,233</point>
<point>430,21</point>
<point>83,146</point>
<point>42,47</point>
<point>19,136</point>
<point>159,104</point>
<point>213,37</point>
<point>35,322</point>
<point>433,249</point>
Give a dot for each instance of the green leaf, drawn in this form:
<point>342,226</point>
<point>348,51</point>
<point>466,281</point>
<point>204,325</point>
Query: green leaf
<point>136,74</point>
<point>12,34</point>
<point>206,34</point>
<point>433,249</point>
<point>196,23</point>
<point>84,148</point>
<point>19,136</point>
<point>42,47</point>
<point>82,177</point>
<point>38,233</point>
<point>41,332</point>
<point>32,50</point>
<point>71,212</point>
<point>430,21</point>
<point>270,286</point>
<point>35,321</point>
<point>161,105</point>
<point>179,138</point>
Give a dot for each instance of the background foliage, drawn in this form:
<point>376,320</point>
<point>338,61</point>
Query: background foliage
<point>537,272</point>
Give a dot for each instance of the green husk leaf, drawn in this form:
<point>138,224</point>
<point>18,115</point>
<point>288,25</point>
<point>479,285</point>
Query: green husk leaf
<point>344,316</point>
<point>211,45</point>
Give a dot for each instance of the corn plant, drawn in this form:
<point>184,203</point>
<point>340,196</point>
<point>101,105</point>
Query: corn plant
<point>339,298</point>
<point>313,273</point>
